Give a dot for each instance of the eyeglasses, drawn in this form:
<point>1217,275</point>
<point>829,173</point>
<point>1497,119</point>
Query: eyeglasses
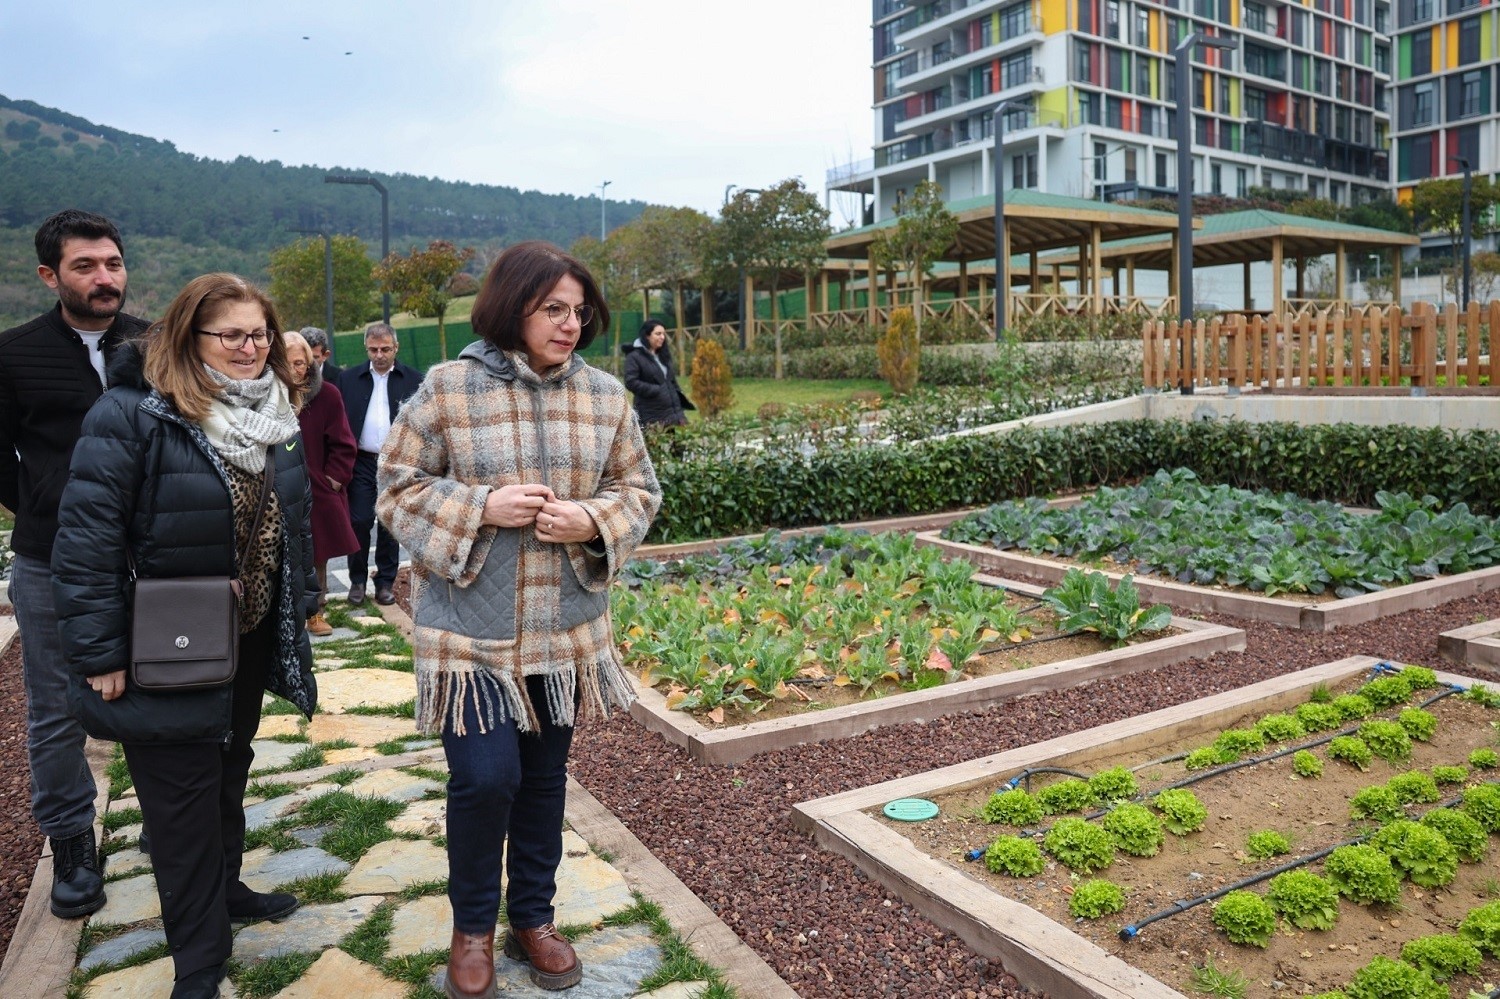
<point>235,339</point>
<point>558,313</point>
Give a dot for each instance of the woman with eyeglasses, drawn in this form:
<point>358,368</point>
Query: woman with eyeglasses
<point>518,479</point>
<point>169,479</point>
<point>651,377</point>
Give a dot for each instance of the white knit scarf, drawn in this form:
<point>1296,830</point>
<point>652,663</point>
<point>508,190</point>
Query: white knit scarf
<point>247,416</point>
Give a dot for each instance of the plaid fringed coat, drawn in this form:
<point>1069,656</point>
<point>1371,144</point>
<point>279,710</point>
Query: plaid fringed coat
<point>494,605</point>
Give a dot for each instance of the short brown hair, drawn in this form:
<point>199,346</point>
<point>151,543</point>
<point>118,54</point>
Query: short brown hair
<point>516,284</point>
<point>173,367</point>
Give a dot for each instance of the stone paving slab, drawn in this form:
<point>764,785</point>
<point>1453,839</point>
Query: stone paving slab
<point>264,813</point>
<point>271,755</point>
<point>310,928</point>
<point>336,975</point>
<point>273,725</point>
<point>362,730</point>
<point>129,901</point>
<point>266,870</point>
<point>422,818</point>
<point>677,990</point>
<point>362,687</point>
<point>153,979</point>
<point>422,924</point>
<point>116,949</point>
<point>394,785</point>
<point>339,634</point>
<point>334,757</point>
<point>125,861</point>
<point>614,962</point>
<point>395,865</point>
<point>588,889</point>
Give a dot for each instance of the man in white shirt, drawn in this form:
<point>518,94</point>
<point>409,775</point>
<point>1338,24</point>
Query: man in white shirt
<point>373,393</point>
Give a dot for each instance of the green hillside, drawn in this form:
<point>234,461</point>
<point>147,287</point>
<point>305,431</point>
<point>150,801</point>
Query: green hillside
<point>182,215</point>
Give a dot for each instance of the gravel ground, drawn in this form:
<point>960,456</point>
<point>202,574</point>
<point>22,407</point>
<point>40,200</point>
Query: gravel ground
<point>726,831</point>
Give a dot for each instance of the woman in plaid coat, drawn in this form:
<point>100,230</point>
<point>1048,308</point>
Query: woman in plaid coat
<point>518,480</point>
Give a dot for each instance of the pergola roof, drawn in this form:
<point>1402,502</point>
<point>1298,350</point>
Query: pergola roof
<point>1033,220</point>
<point>1243,237</point>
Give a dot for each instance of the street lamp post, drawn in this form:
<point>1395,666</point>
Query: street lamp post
<point>1002,268</point>
<point>1466,233</point>
<point>601,209</point>
<point>385,227</point>
<point>1185,132</point>
<point>327,283</point>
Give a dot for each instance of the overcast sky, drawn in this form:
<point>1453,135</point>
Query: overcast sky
<point>669,100</point>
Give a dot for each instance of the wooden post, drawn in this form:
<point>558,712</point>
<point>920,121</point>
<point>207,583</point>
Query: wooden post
<point>870,293</point>
<point>1249,301</point>
<point>1301,278</point>
<point>1237,354</point>
<point>1340,275</point>
<point>1396,276</point>
<point>1423,347</point>
<point>681,316</point>
<point>822,291</point>
<point>963,279</point>
<point>1096,270</point>
<point>1174,279</point>
<point>749,292</point>
<point>1278,264</point>
<point>1002,282</point>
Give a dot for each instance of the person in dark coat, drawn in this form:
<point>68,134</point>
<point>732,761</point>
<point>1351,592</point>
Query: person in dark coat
<point>165,482</point>
<point>318,339</point>
<point>52,370</point>
<point>651,377</point>
<point>330,466</point>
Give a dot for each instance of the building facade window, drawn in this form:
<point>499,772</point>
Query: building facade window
<point>1016,70</point>
<point>1468,41</point>
<point>1023,170</point>
<point>1161,170</point>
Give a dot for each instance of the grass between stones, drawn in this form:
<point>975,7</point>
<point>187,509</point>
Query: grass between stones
<point>119,818</point>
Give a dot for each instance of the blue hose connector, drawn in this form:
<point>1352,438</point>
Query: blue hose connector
<point>1128,933</point>
<point>973,854</point>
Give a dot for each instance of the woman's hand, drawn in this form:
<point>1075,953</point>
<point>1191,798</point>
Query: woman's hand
<point>109,685</point>
<point>333,483</point>
<point>515,506</point>
<point>563,520</point>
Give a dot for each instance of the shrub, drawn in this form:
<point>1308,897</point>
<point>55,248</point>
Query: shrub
<point>1414,788</point>
<point>1306,764</point>
<point>1442,955</point>
<point>1450,775</point>
<point>1482,804</point>
<point>1135,829</point>
<point>899,352</point>
<point>1484,758</point>
<point>1461,830</point>
<point>711,379</point>
<point>1363,874</point>
<point>1015,807</point>
<point>1081,846</point>
<point>1181,810</point>
<point>1318,717</point>
<point>770,412</point>
<point>1267,843</point>
<point>1236,742</point>
<point>1352,750</point>
<point>1419,724</point>
<point>1387,740</point>
<point>1280,728</point>
<point>1013,855</point>
<point>1387,691</point>
<point>1383,978</point>
<point>1070,795</point>
<point>1245,918</point>
<point>1352,706</point>
<point>1420,852</point>
<point>1095,898</point>
<point>1306,901</point>
<point>1377,803</point>
<point>1481,927</point>
<point>1114,784</point>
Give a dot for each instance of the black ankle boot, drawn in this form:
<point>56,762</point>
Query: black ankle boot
<point>77,885</point>
<point>202,984</point>
<point>246,906</point>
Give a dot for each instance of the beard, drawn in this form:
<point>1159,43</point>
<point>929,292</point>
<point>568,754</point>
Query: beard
<point>100,303</point>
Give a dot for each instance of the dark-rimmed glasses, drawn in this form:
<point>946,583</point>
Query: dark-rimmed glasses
<point>235,339</point>
<point>558,313</point>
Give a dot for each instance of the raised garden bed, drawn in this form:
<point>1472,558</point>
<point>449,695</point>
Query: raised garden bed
<point>777,645</point>
<point>1025,922</point>
<point>1261,556</point>
<point>1476,643</point>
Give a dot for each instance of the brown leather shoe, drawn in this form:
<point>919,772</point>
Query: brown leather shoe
<point>318,625</point>
<point>554,965</point>
<point>471,966</point>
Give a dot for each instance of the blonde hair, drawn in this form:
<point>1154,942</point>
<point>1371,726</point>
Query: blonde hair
<point>172,365</point>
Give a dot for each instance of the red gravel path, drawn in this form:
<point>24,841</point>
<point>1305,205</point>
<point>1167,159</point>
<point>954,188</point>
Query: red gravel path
<point>726,831</point>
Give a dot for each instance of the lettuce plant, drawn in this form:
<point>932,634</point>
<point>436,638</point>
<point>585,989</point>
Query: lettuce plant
<point>1387,691</point>
<point>1245,918</point>
<point>1135,829</point>
<point>1420,852</point>
<point>1376,803</point>
<point>1481,927</point>
<point>1280,728</point>
<point>1267,843</point>
<point>1363,874</point>
<point>1014,807</point>
<point>1442,955</point>
<point>1352,706</point>
<point>1114,784</point>
<point>1387,740</point>
<point>1318,716</point>
<point>1013,855</point>
<point>1461,830</point>
<point>1181,810</point>
<point>1306,764</point>
<point>1419,724</point>
<point>1414,788</point>
<point>1383,978</point>
<point>1484,758</point>
<point>1203,758</point>
<point>1305,900</point>
<point>1083,601</point>
<point>1482,804</point>
<point>1352,750</point>
<point>1068,795</point>
<point>1236,742</point>
<point>1450,775</point>
<point>1419,678</point>
<point>1081,846</point>
<point>1095,898</point>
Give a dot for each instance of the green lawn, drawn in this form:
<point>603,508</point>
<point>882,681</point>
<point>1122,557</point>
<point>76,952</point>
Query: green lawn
<point>750,393</point>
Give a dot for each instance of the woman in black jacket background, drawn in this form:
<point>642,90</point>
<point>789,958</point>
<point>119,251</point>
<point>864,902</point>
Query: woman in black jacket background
<point>652,377</point>
<point>169,469</point>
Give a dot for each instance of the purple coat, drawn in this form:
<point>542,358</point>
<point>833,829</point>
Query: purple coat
<point>330,455</point>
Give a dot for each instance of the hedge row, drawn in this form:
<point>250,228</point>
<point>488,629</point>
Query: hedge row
<point>751,490</point>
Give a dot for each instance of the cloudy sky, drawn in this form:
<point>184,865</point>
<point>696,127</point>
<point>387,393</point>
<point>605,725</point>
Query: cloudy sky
<point>669,100</point>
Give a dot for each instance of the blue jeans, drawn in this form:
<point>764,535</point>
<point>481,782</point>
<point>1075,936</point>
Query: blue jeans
<point>62,789</point>
<point>505,784</point>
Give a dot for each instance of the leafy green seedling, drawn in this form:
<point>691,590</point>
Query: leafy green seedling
<point>1267,843</point>
<point>1080,846</point>
<point>1484,758</point>
<point>1234,743</point>
<point>1387,740</point>
<point>1352,706</point>
<point>1450,775</point>
<point>1014,807</point>
<point>1069,795</point>
<point>1465,834</point>
<point>1376,803</point>
<point>1135,829</point>
<point>1419,724</point>
<point>1095,898</point>
<point>1305,900</point>
<point>1386,691</point>
<point>1482,695</point>
<point>1481,927</point>
<point>1203,758</point>
<point>1306,764</point>
<point>1420,678</point>
<point>1420,852</point>
<point>1245,918</point>
<point>1114,784</point>
<point>1318,716</point>
<point>1280,728</point>
<point>1383,978</point>
<point>1482,804</point>
<point>1013,855</point>
<point>1363,874</point>
<point>1351,749</point>
<point>1414,788</point>
<point>1181,810</point>
<point>1442,955</point>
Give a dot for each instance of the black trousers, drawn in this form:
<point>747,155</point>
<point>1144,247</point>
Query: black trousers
<point>362,516</point>
<point>192,796</point>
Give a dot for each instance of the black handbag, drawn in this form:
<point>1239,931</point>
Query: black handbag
<point>185,630</point>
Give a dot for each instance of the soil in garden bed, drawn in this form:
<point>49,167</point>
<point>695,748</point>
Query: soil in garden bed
<point>1312,813</point>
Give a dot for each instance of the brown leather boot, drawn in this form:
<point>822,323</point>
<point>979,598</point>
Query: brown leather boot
<point>554,965</point>
<point>471,966</point>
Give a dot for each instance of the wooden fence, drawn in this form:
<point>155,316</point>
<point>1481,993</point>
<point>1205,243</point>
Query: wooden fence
<point>1348,349</point>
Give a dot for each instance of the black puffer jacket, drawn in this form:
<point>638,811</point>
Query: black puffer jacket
<point>146,477</point>
<point>657,397</point>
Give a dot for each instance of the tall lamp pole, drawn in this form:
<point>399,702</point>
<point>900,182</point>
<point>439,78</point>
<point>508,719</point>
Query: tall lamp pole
<point>385,227</point>
<point>601,209</point>
<point>1002,267</point>
<point>327,283</point>
<point>1467,230</point>
<point>1185,132</point>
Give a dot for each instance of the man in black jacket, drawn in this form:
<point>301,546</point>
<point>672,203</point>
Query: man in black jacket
<point>373,393</point>
<point>51,372</point>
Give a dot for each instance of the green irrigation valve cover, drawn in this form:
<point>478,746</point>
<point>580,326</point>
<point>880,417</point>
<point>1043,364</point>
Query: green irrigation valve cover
<point>911,809</point>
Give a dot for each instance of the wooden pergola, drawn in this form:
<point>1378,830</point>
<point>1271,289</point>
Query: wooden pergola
<point>1252,236</point>
<point>1034,223</point>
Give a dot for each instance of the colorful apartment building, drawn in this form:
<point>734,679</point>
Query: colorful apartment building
<point>1303,102</point>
